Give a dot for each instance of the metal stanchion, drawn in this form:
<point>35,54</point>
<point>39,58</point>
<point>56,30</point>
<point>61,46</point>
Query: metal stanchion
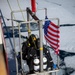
<point>14,44</point>
<point>41,46</point>
<point>28,24</point>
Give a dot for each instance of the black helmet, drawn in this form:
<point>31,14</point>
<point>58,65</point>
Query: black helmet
<point>32,39</point>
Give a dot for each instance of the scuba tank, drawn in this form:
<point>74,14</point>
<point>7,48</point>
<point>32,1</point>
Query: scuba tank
<point>36,62</point>
<point>44,63</point>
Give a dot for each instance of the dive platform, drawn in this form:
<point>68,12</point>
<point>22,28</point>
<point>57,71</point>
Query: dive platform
<point>39,23</point>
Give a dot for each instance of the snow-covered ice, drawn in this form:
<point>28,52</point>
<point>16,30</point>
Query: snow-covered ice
<point>64,10</point>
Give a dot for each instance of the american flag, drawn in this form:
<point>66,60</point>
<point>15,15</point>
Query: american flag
<point>51,33</point>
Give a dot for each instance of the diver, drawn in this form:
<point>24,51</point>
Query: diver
<point>31,54</point>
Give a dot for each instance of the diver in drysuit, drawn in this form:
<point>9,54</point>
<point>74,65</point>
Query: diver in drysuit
<point>31,54</point>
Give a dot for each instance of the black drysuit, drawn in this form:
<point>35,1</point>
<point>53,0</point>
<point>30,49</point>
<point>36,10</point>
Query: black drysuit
<point>30,52</point>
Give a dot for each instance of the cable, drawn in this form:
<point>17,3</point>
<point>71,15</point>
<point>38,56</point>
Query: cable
<point>22,15</point>
<point>20,9</point>
<point>10,7</point>
<point>12,10</point>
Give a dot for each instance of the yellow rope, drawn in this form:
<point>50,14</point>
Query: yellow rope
<point>9,5</point>
<point>11,10</point>
<point>21,12</point>
<point>29,31</point>
<point>20,9</point>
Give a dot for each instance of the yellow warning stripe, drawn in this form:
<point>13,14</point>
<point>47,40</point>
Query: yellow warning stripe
<point>41,48</point>
<point>29,31</point>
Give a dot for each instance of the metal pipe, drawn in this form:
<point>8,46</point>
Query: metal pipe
<point>57,55</point>
<point>45,72</point>
<point>25,10</point>
<point>41,9</point>
<point>41,46</point>
<point>32,14</point>
<point>52,71</point>
<point>18,11</point>
<point>35,21</point>
<point>41,42</point>
<point>28,24</point>
<point>45,16</point>
<point>14,44</point>
<point>45,11</point>
<point>7,30</point>
<point>20,47</point>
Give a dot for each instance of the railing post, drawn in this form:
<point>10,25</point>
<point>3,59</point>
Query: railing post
<point>14,44</point>
<point>41,45</point>
<point>28,24</point>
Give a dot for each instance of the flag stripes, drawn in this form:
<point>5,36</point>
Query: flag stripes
<point>51,33</point>
<point>51,43</point>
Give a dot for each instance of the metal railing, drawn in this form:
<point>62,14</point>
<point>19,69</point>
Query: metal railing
<point>41,44</point>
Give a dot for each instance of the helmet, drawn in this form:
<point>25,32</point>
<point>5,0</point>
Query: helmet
<point>32,40</point>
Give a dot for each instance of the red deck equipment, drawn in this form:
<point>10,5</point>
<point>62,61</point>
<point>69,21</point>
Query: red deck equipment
<point>33,5</point>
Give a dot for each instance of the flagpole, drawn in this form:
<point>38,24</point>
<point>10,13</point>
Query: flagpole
<point>58,48</point>
<point>45,12</point>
